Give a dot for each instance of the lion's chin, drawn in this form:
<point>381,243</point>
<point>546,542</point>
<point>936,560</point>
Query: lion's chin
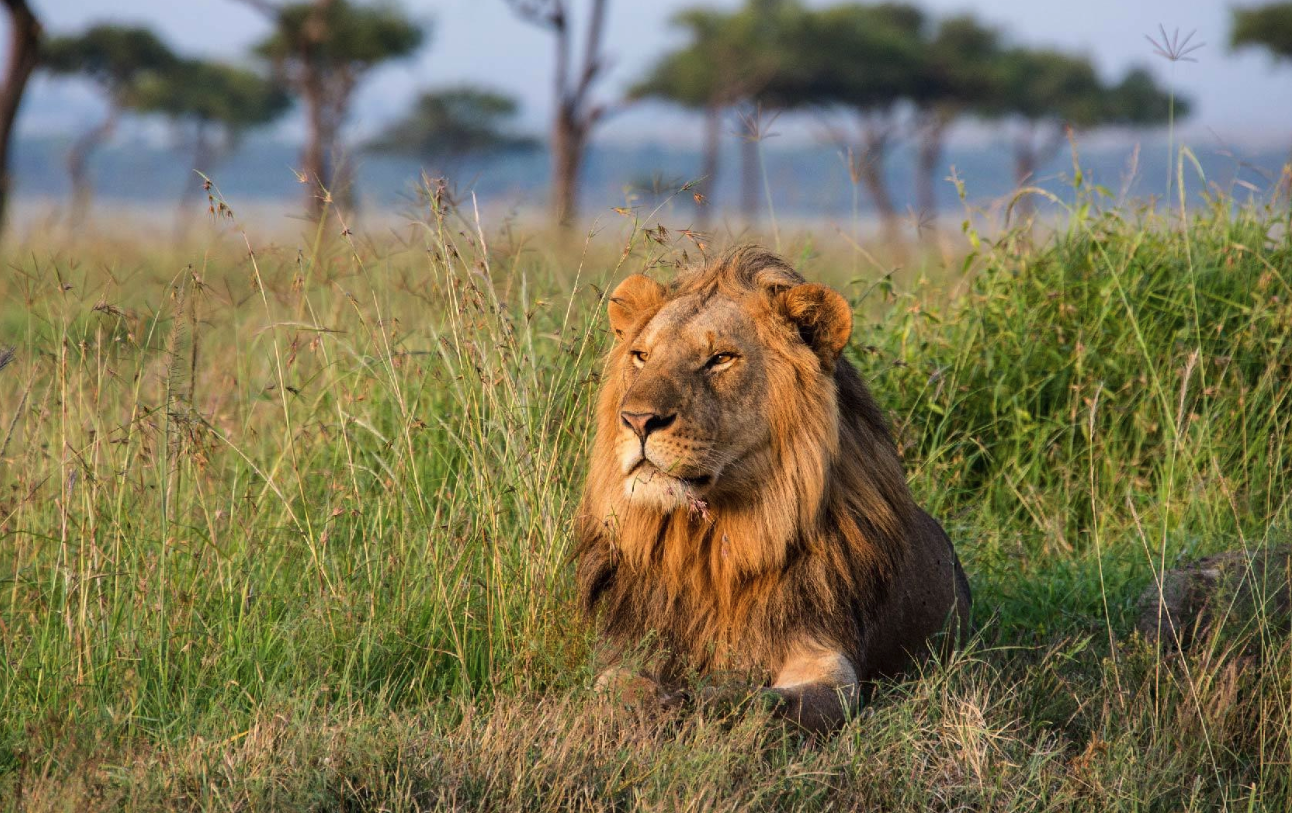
<point>648,486</point>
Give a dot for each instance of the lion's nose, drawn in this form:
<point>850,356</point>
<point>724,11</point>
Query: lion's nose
<point>643,423</point>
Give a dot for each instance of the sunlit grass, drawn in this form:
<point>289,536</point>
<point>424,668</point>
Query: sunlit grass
<point>287,526</point>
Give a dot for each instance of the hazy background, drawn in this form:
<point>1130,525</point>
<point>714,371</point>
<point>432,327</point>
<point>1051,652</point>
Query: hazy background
<point>1243,97</point>
<point>1242,102</point>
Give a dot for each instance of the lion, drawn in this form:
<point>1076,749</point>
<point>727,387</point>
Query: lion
<point>745,509</point>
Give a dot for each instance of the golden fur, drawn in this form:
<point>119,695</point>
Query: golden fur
<point>745,507</point>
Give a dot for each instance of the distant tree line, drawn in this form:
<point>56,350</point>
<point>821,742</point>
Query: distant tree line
<point>316,55</point>
<point>876,74</point>
<point>872,74</point>
<point>1268,28</point>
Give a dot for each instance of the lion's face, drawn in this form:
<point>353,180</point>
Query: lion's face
<point>696,375</point>
<point>693,412</point>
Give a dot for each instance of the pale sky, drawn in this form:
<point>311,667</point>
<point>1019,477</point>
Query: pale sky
<point>1244,98</point>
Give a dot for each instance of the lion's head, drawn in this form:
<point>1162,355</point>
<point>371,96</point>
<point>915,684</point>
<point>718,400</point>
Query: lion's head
<point>695,371</point>
<point>720,402</point>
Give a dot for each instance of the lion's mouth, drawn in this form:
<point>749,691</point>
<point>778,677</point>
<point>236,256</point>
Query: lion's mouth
<point>646,469</point>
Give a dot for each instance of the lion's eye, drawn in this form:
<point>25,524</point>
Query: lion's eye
<point>719,360</point>
<point>639,357</point>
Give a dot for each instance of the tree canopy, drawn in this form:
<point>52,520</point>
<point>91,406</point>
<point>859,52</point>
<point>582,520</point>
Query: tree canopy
<point>454,123</point>
<point>118,59</point>
<point>961,66</point>
<point>750,54</point>
<point>870,57</point>
<point>1044,84</point>
<point>1040,85</point>
<point>321,49</point>
<point>712,69</point>
<point>863,57</point>
<point>341,35</point>
<point>211,92</point>
<point>112,56</point>
<point>1137,100</point>
<point>1268,27</point>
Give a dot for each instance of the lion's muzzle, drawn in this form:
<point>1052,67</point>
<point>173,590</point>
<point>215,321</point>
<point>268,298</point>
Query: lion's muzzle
<point>643,423</point>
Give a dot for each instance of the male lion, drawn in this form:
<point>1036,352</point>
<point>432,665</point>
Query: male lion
<point>745,508</point>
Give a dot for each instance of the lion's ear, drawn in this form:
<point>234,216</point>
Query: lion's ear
<point>634,297</point>
<point>822,316</point>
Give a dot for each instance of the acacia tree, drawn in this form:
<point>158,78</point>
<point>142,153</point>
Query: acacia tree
<point>720,66</point>
<point>1268,27</point>
<point>1048,93</point>
<point>768,36</point>
<point>694,77</point>
<point>116,59</point>
<point>322,50</point>
<point>448,125</point>
<point>1138,101</point>
<point>576,112</point>
<point>1044,92</point>
<point>959,74</point>
<point>773,37</point>
<point>24,53</point>
<point>212,105</point>
<point>864,59</point>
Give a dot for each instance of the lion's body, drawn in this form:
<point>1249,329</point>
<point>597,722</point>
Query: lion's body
<point>762,523</point>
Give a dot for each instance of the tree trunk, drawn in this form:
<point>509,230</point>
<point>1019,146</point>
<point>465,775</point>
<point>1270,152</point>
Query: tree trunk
<point>203,157</point>
<point>346,189</point>
<point>928,163</point>
<point>568,142</point>
<point>316,160</point>
<point>1024,164</point>
<point>1024,173</point>
<point>78,164</point>
<point>24,53</point>
<point>322,119</point>
<point>749,178</point>
<point>575,115</point>
<point>1036,146</point>
<point>874,154</point>
<point>709,163</point>
<point>203,160</point>
<point>1024,161</point>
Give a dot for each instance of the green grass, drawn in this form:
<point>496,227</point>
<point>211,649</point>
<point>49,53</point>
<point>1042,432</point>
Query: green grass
<point>289,528</point>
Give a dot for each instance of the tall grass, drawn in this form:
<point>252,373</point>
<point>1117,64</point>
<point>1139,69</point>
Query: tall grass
<point>288,527</point>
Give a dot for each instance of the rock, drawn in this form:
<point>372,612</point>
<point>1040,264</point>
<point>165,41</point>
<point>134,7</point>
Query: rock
<point>1233,592</point>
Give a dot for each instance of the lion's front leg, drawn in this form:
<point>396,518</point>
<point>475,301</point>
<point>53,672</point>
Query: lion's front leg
<point>817,689</point>
<point>636,688</point>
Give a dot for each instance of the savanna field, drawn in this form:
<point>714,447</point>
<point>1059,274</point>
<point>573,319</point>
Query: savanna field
<point>285,522</point>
